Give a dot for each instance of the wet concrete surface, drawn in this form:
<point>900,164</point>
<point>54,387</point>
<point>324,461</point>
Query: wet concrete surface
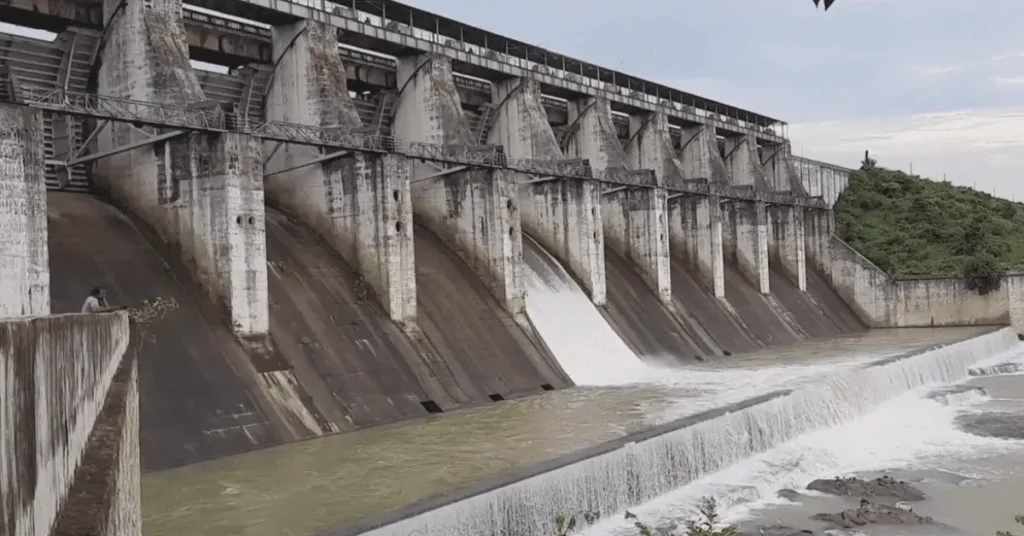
<point>321,484</point>
<point>765,322</point>
<point>807,314</point>
<point>200,397</point>
<point>711,313</point>
<point>358,367</point>
<point>333,362</point>
<point>481,345</point>
<point>642,321</point>
<point>837,311</point>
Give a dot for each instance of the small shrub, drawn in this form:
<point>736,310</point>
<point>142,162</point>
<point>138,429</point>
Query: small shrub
<point>982,273</point>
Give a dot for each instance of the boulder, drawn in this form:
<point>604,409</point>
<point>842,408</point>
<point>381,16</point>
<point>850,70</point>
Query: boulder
<point>873,514</point>
<point>885,486</point>
<point>995,424</point>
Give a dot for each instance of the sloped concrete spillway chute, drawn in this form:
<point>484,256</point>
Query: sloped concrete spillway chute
<point>481,343</point>
<point>200,393</point>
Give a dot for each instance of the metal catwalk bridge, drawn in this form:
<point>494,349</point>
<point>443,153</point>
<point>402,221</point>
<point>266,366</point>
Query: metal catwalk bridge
<point>208,116</point>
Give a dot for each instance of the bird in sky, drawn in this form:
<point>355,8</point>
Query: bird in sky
<point>828,3</point>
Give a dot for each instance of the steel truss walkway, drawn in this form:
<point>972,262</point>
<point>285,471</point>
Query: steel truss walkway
<point>210,117</point>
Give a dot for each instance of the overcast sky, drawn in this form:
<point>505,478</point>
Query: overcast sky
<point>934,83</point>
<point>939,83</point>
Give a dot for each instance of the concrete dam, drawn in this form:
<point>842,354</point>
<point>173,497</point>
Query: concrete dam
<point>323,288</point>
<point>358,214</point>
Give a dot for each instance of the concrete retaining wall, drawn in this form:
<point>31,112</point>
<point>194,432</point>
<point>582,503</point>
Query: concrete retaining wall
<point>821,178</point>
<point>60,376</point>
<point>883,302</point>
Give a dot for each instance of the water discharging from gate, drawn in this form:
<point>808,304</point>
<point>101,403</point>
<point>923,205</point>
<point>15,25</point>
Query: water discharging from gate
<point>650,467</point>
<point>588,349</point>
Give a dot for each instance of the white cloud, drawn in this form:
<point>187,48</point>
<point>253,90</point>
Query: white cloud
<point>1009,80</point>
<point>934,70</point>
<point>1014,55</point>
<point>981,148</point>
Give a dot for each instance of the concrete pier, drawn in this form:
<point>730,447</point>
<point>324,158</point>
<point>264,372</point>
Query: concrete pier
<point>361,203</point>
<point>748,241</point>
<point>780,172</point>
<point>818,228</point>
<point>744,163</point>
<point>202,192</point>
<point>696,231</point>
<point>562,215</point>
<point>476,212</point>
<point>650,147</point>
<point>24,256</point>
<point>636,227</point>
<point>788,242</point>
<point>699,156</point>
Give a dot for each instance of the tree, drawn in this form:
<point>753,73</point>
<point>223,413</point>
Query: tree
<point>1020,521</point>
<point>145,316</point>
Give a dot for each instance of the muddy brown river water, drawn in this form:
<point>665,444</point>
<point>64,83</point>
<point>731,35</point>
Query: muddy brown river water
<point>317,485</point>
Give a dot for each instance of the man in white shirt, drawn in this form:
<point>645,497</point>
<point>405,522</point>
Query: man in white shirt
<point>96,302</point>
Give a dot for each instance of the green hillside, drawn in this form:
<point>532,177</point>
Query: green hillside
<point>912,226</point>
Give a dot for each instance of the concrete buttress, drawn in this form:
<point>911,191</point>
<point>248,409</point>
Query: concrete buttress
<point>650,147</point>
<point>203,193</point>
<point>780,172</point>
<point>562,215</point>
<point>818,228</point>
<point>744,162</point>
<point>696,233</point>
<point>361,203</point>
<point>24,252</point>
<point>475,212</point>
<point>788,243</point>
<point>699,156</point>
<point>748,241</point>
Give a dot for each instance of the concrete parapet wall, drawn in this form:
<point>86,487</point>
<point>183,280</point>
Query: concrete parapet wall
<point>56,375</point>
<point>24,256</point>
<point>203,193</point>
<point>361,204</point>
<point>821,179</point>
<point>636,227</point>
<point>883,302</point>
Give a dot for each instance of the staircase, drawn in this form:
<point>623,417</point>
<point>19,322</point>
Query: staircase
<point>384,114</point>
<point>484,122</point>
<point>253,103</point>
<point>68,131</point>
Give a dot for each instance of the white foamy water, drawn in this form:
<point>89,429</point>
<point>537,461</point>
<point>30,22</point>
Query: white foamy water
<point>580,338</point>
<point>902,433</point>
<point>639,472</point>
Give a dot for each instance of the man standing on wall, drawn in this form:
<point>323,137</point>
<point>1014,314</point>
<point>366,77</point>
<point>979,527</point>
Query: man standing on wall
<point>96,302</point>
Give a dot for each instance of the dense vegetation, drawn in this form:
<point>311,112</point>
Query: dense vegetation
<point>912,226</point>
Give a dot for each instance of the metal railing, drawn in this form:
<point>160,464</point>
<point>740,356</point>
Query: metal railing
<point>210,117</point>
